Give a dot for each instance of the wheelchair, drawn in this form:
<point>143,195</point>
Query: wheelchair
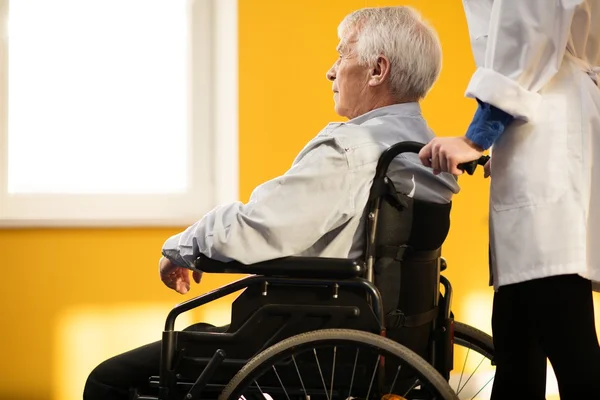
<point>379,327</point>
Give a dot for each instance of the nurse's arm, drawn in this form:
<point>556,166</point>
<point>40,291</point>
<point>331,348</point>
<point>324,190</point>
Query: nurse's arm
<point>526,43</point>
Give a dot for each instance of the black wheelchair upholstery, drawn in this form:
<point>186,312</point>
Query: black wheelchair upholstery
<point>393,290</point>
<point>293,267</point>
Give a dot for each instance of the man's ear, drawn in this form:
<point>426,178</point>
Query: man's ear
<point>380,71</point>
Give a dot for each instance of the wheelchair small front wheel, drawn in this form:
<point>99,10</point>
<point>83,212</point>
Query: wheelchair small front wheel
<point>337,364</point>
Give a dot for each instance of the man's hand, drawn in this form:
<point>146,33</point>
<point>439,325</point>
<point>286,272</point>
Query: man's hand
<point>176,277</point>
<point>443,154</point>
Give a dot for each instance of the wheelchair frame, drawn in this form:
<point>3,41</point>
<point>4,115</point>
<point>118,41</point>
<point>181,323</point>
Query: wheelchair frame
<point>333,273</point>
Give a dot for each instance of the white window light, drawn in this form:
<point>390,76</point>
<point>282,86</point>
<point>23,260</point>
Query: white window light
<point>113,112</point>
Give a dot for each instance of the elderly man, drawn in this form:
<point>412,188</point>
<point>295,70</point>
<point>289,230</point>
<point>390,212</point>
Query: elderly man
<point>389,58</point>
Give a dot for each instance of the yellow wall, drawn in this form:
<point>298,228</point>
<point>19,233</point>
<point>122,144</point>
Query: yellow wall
<point>73,297</point>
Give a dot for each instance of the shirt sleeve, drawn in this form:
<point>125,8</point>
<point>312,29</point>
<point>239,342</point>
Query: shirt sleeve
<point>525,47</point>
<point>283,217</point>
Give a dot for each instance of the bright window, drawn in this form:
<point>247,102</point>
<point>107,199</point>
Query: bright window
<point>111,110</point>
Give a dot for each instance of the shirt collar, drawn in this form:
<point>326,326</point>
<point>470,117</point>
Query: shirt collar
<point>403,109</point>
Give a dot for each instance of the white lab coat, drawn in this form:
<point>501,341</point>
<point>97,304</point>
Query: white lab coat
<point>537,60</point>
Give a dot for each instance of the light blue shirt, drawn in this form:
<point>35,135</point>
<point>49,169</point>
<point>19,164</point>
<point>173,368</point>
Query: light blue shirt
<point>317,207</point>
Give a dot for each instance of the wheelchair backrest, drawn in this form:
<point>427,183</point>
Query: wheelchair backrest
<point>404,240</point>
<point>408,240</point>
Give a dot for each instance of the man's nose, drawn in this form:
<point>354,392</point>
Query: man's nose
<point>331,74</point>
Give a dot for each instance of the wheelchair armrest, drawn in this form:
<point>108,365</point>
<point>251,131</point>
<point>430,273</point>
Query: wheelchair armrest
<point>292,267</point>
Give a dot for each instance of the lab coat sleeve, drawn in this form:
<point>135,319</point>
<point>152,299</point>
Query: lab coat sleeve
<point>283,217</point>
<point>526,43</point>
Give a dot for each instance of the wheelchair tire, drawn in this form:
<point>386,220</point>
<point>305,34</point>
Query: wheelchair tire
<point>467,336</point>
<point>269,356</point>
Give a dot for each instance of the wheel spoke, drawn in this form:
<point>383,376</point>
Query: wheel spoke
<point>467,381</point>
<point>373,376</point>
<point>353,371</point>
<point>299,376</point>
<point>463,369</point>
<point>281,383</point>
<point>321,373</point>
<point>332,374</point>
<point>414,385</point>
<point>261,392</point>
<point>487,383</point>
<point>395,379</point>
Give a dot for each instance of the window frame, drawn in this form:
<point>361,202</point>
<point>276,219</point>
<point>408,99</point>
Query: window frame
<point>213,117</point>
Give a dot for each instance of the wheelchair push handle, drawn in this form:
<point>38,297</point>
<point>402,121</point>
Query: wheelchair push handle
<point>415,147</point>
<point>470,167</point>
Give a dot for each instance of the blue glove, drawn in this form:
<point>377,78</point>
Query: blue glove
<point>488,124</point>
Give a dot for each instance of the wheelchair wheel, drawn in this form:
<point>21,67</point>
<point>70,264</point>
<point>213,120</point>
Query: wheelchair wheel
<point>474,368</point>
<point>338,364</point>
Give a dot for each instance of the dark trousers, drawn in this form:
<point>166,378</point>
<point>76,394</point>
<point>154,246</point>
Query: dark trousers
<point>113,378</point>
<point>550,318</point>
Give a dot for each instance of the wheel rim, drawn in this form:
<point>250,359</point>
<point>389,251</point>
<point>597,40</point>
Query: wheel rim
<point>341,368</point>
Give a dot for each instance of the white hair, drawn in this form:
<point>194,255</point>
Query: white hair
<point>409,42</point>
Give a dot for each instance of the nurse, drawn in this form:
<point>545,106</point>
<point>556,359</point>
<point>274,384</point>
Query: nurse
<point>536,85</point>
